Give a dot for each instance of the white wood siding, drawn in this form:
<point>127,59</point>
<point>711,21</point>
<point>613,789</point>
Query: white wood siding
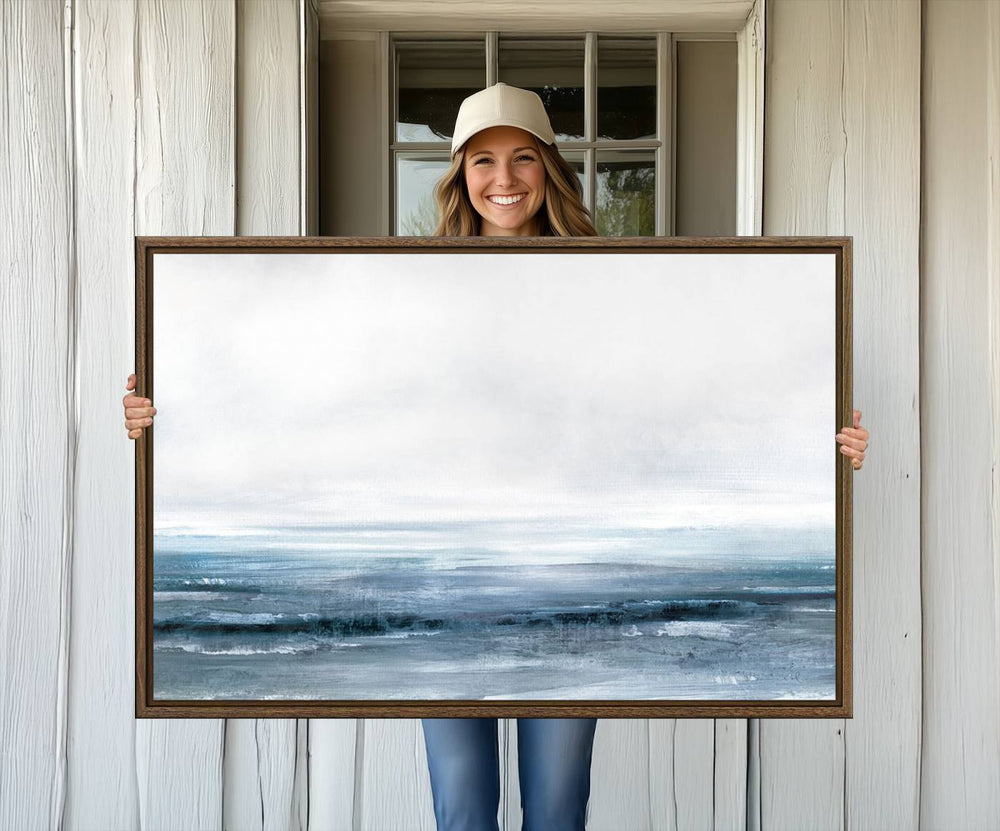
<point>184,117</point>
<point>101,769</point>
<point>184,184</point>
<point>960,419</point>
<point>264,775</point>
<point>37,414</point>
<point>842,138</point>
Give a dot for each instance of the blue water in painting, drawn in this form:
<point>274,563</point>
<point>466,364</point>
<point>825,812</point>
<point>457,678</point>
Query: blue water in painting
<point>494,610</point>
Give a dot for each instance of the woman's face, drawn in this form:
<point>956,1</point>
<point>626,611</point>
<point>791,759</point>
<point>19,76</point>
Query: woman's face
<point>506,181</point>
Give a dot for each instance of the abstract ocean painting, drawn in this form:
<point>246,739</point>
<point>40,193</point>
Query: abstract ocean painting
<point>494,476</point>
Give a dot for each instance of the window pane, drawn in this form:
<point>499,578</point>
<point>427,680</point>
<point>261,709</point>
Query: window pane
<point>554,70</point>
<point>432,79</point>
<point>577,162</point>
<point>416,175</point>
<point>626,194</point>
<point>626,88</point>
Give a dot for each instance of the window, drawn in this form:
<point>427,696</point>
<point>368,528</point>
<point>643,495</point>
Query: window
<point>608,98</point>
<point>650,123</point>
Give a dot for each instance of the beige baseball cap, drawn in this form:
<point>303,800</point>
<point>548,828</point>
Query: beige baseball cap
<point>501,105</point>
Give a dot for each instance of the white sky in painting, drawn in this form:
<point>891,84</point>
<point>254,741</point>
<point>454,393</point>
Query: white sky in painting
<point>642,388</point>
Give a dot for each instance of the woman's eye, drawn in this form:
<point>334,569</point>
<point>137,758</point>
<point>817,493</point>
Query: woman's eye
<point>488,160</point>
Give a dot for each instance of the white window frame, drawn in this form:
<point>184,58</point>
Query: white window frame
<point>661,147</point>
<point>750,116</point>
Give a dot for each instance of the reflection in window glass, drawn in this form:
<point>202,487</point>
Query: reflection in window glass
<point>626,193</point>
<point>416,175</point>
<point>554,70</point>
<point>432,80</point>
<point>626,88</point>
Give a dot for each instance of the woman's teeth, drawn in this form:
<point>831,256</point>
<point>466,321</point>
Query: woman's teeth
<point>505,200</point>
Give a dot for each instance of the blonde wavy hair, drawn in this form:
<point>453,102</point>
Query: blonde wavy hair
<point>562,214</point>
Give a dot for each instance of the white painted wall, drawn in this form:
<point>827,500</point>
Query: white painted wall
<point>350,162</point>
<point>155,116</point>
<point>705,172</point>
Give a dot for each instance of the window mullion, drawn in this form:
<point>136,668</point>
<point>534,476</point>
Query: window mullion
<point>672,133</point>
<point>492,57</point>
<point>388,117</point>
<point>590,117</point>
<point>664,132</point>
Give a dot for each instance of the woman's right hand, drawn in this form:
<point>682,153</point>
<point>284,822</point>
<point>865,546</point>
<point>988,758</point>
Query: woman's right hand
<point>139,412</point>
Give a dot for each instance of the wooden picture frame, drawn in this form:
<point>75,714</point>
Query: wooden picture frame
<point>637,423</point>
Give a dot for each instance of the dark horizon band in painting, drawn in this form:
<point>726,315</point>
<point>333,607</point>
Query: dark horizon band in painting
<point>523,484</point>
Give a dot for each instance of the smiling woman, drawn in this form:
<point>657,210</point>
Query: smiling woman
<point>507,177</point>
<point>505,180</point>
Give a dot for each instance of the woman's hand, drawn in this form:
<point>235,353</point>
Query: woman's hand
<point>854,441</point>
<point>138,411</point>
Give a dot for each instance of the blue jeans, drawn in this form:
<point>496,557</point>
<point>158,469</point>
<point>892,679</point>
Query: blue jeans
<point>553,769</point>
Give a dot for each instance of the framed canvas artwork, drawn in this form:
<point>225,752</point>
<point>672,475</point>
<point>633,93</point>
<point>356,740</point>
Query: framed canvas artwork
<point>566,477</point>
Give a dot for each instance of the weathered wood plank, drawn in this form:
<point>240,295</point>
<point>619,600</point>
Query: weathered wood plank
<point>691,792</point>
<point>185,184</point>
<point>625,779</point>
<point>332,773</point>
<point>841,157</point>
<point>807,792</point>
<point>268,118</point>
<point>394,788</point>
<point>101,788</point>
<point>882,208</point>
<point>804,140</point>
<point>185,176</point>
<point>510,785</point>
<point>801,772</point>
<point>730,772</point>
<point>260,771</point>
<point>960,416</point>
<point>37,417</point>
<point>693,776</point>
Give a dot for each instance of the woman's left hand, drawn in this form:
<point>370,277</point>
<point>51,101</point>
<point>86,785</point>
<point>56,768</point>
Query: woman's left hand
<point>854,441</point>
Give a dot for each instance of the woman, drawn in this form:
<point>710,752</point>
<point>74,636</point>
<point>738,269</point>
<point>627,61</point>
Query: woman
<point>507,179</point>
